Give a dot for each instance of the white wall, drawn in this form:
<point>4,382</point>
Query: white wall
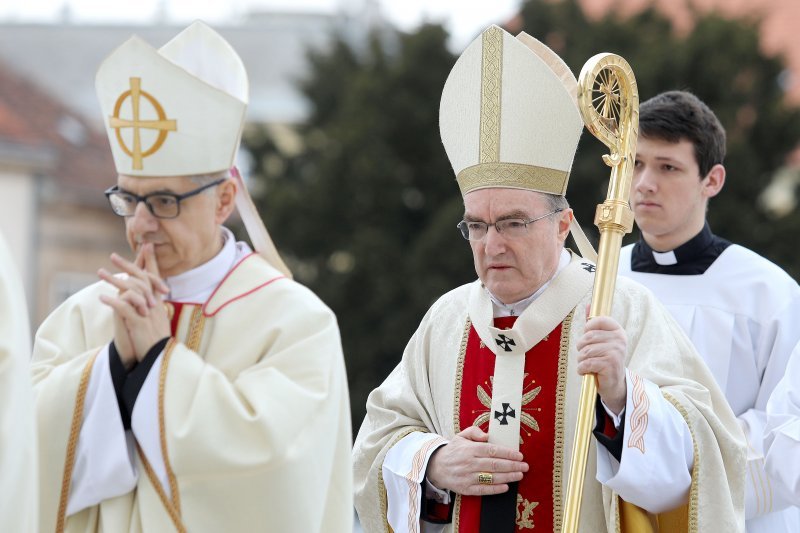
<point>18,223</point>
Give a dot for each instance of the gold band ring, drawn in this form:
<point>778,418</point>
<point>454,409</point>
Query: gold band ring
<point>485,478</point>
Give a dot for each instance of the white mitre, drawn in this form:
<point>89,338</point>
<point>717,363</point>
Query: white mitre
<point>175,111</point>
<point>508,115</point>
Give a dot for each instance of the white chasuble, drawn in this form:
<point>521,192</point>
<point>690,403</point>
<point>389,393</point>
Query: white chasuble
<point>424,393</point>
<point>245,392</point>
<point>18,469</point>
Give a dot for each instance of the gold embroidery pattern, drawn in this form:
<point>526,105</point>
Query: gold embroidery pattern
<point>196,325</point>
<point>462,352</point>
<point>694,489</point>
<point>558,453</point>
<point>641,406</point>
<point>525,512</point>
<point>491,83</point>
<point>525,418</point>
<point>413,485</point>
<point>381,485</point>
<point>72,443</point>
<point>531,177</point>
<point>162,125</point>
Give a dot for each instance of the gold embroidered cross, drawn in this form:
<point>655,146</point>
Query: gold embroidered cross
<point>163,125</point>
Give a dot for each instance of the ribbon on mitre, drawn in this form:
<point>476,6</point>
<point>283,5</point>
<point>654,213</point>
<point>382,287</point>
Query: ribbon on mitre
<point>255,227</point>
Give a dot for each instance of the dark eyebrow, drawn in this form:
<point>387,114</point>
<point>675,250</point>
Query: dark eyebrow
<point>514,214</point>
<point>157,191</point>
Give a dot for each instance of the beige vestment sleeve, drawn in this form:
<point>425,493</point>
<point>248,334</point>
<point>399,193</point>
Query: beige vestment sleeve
<point>18,476</point>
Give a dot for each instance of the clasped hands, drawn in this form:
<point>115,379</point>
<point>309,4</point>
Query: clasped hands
<point>456,466</point>
<point>140,317</point>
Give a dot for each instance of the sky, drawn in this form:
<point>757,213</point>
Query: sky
<point>463,18</point>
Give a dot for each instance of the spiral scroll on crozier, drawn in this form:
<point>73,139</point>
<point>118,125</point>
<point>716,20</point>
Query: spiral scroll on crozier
<point>609,103</point>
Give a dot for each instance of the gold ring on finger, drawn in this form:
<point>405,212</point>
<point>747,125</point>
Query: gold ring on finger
<point>485,478</point>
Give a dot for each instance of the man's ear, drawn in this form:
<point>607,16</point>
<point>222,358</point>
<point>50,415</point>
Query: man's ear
<point>714,181</point>
<point>226,201</point>
<point>564,221</point>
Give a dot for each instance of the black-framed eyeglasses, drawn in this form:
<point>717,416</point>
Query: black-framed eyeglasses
<point>474,230</point>
<point>160,204</point>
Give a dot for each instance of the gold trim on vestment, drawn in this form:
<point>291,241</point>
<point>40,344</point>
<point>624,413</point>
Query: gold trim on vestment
<point>532,177</point>
<point>196,325</point>
<point>162,381</point>
<point>194,336</point>
<point>72,443</point>
<point>384,502</point>
<point>151,475</point>
<point>462,352</point>
<point>491,90</point>
<point>694,489</point>
<point>558,440</point>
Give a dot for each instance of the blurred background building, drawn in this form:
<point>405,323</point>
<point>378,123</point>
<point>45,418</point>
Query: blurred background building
<point>54,162</point>
<point>54,156</point>
<point>343,147</point>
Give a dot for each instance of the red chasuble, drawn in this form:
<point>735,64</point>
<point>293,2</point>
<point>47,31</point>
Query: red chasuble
<point>541,426</point>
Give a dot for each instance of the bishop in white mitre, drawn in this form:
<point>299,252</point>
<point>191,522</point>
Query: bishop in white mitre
<point>204,390</point>
<point>473,430</point>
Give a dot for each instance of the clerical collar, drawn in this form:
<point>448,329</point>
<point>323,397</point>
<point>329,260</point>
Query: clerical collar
<point>693,257</point>
<point>197,284</point>
<point>516,308</point>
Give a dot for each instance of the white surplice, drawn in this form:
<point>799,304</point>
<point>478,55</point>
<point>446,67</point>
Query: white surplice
<point>742,315</point>
<point>782,436</point>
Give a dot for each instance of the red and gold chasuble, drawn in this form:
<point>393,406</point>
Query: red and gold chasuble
<point>541,425</point>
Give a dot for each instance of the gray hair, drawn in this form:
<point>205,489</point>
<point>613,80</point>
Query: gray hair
<point>205,179</point>
<point>556,201</point>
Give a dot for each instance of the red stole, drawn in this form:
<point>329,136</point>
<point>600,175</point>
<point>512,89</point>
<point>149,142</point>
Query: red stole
<point>174,313</point>
<point>541,438</point>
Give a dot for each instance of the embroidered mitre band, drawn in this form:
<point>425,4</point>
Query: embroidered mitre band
<point>508,116</point>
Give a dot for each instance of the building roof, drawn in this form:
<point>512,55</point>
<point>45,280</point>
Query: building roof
<point>273,47</point>
<point>39,132</point>
<point>778,27</point>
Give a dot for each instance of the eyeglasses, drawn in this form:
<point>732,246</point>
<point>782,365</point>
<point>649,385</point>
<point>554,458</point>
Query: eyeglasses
<point>160,204</point>
<point>508,227</point>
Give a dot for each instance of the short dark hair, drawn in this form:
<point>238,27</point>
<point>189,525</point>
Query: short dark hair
<point>676,115</point>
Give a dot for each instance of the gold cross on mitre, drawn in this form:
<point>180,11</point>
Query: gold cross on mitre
<point>163,125</point>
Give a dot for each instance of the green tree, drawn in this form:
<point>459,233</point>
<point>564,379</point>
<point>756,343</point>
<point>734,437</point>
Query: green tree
<point>720,61</point>
<point>366,213</point>
<point>365,210</point>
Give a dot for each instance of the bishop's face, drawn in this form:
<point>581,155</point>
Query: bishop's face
<point>184,242</point>
<point>513,268</point>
